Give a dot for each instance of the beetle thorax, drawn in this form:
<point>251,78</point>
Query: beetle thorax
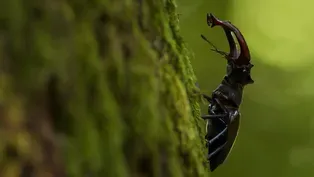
<point>239,75</point>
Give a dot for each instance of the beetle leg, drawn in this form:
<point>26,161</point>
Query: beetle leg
<point>208,98</point>
<point>231,114</point>
<point>214,116</point>
<point>218,136</point>
<point>216,151</point>
<point>223,107</point>
<point>212,140</point>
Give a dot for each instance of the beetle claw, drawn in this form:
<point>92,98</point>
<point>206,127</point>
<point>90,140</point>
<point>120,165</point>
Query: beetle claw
<point>210,21</point>
<point>244,55</point>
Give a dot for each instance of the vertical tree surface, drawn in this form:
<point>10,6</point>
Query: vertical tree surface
<point>96,88</point>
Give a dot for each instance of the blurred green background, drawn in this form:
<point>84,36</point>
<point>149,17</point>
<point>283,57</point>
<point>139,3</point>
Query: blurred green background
<point>276,134</point>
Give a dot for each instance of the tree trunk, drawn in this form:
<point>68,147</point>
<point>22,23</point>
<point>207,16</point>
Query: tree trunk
<point>97,88</point>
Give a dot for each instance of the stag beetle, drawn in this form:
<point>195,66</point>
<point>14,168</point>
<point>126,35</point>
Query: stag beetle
<point>223,117</point>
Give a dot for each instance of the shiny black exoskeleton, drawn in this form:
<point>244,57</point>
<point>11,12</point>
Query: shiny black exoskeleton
<point>223,117</point>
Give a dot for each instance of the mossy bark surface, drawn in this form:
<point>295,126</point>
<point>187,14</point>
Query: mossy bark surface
<point>97,88</point>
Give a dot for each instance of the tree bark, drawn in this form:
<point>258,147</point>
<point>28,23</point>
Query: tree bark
<point>97,88</point>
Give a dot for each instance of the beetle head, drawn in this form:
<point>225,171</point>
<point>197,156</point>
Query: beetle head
<point>239,65</point>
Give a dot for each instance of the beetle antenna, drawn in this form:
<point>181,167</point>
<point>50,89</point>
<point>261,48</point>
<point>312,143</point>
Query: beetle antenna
<point>215,49</point>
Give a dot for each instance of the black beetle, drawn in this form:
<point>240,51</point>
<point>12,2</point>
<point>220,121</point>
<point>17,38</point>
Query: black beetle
<point>223,117</point>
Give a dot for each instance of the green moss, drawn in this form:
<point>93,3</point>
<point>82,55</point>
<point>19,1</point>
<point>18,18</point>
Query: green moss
<point>97,87</point>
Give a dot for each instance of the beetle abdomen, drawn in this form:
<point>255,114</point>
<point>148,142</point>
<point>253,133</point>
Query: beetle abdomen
<point>221,156</point>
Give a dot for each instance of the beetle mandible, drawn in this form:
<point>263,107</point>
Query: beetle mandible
<point>223,117</point>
